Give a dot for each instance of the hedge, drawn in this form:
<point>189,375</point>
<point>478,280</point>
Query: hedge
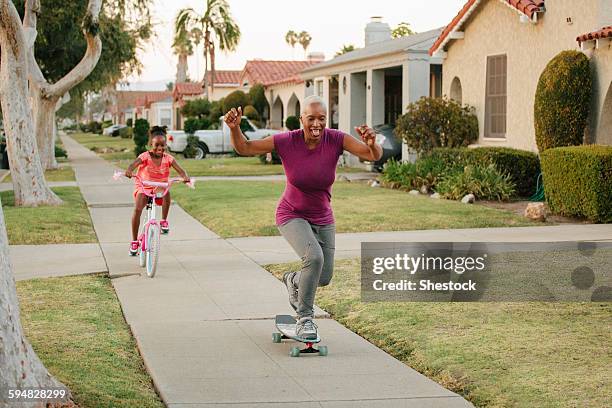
<point>578,181</point>
<point>522,166</point>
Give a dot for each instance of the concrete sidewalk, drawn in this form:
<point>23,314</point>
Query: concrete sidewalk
<point>268,250</point>
<point>204,323</point>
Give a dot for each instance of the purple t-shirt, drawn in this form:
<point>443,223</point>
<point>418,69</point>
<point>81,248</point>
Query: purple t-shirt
<point>310,175</point>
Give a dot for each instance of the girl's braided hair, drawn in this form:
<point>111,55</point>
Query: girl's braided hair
<point>157,131</point>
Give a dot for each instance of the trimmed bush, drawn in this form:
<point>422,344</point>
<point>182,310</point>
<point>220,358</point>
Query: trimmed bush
<point>141,136</point>
<point>190,149</point>
<point>562,101</point>
<point>522,166</point>
<point>292,123</point>
<point>578,181</point>
<point>234,100</point>
<point>126,132</point>
<point>437,122</point>
<point>251,113</point>
<point>60,152</point>
<point>398,175</point>
<point>485,182</point>
<point>129,122</point>
<point>192,125</point>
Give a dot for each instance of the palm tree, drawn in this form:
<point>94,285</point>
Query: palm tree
<point>216,26</point>
<point>183,47</point>
<point>291,38</point>
<point>345,49</point>
<point>304,39</point>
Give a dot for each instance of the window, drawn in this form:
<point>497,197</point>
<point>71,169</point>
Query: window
<point>319,88</point>
<point>165,117</point>
<point>495,100</point>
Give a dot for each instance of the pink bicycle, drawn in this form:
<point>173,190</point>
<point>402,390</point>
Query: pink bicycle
<point>149,239</point>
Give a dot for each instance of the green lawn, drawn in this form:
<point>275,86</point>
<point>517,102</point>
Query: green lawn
<point>247,208</point>
<point>64,173</point>
<point>67,223</point>
<point>527,354</point>
<point>76,327</point>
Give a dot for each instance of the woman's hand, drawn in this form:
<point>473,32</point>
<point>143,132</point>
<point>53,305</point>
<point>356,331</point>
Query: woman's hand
<point>128,173</point>
<point>233,118</point>
<point>368,136</point>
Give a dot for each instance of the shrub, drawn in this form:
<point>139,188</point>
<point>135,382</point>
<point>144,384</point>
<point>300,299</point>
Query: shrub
<point>251,113</point>
<point>292,123</point>
<point>522,166</point>
<point>485,182</point>
<point>398,175</point>
<point>190,149</point>
<point>126,132</point>
<point>129,122</point>
<point>192,125</point>
<point>234,100</point>
<point>562,101</point>
<point>578,181</point>
<point>60,152</point>
<point>216,111</point>
<point>257,95</point>
<point>197,108</point>
<point>91,127</point>
<point>141,136</point>
<point>106,124</point>
<point>437,122</point>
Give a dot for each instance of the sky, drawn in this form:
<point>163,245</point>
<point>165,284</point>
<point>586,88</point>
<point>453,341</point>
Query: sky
<point>263,23</point>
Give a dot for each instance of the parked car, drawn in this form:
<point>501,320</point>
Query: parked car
<point>216,141</point>
<point>391,145</point>
<point>113,130</point>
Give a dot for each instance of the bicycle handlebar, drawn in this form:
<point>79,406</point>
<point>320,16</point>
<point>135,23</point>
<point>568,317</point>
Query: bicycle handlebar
<point>191,183</point>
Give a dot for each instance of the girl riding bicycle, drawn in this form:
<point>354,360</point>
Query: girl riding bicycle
<point>153,165</point>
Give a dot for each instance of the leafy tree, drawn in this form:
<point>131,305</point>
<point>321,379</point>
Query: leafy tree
<point>218,29</point>
<point>292,123</point>
<point>234,100</point>
<point>345,49</point>
<point>257,95</point>
<point>196,108</point>
<point>170,86</point>
<point>437,122</point>
<point>251,113</point>
<point>402,30</point>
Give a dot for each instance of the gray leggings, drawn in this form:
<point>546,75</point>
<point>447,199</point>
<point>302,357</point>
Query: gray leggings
<point>315,244</point>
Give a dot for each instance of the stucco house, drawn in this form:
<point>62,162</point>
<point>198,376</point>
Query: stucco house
<point>285,89</point>
<point>183,92</point>
<point>494,51</point>
<point>158,109</point>
<point>374,84</point>
<point>226,82</point>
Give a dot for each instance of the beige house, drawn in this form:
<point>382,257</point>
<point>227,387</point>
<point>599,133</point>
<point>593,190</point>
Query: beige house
<point>226,82</point>
<point>494,51</point>
<point>374,84</point>
<point>183,92</point>
<point>158,110</point>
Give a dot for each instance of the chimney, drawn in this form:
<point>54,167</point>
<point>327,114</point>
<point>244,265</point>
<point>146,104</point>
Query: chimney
<point>315,57</point>
<point>376,31</point>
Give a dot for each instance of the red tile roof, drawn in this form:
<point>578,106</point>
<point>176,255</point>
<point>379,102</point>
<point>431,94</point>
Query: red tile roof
<point>225,77</point>
<point>156,97</point>
<point>527,7</point>
<point>188,88</point>
<point>274,72</point>
<point>605,32</point>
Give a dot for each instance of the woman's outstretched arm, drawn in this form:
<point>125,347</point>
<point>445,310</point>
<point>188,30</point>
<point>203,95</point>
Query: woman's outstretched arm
<point>240,143</point>
<point>367,148</point>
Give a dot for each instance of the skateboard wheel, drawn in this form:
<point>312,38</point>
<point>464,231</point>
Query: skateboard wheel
<point>295,352</point>
<point>322,350</point>
<point>276,337</point>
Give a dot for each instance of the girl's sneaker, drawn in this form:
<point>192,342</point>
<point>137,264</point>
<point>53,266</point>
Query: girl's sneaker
<point>165,228</point>
<point>134,248</point>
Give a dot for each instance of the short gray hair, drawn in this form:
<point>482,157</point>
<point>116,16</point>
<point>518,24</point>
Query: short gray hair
<point>313,100</point>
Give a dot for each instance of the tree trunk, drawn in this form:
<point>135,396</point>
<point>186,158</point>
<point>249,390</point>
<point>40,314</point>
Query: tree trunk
<point>29,183</point>
<point>43,111</point>
<point>20,367</point>
<point>181,68</point>
<point>45,96</point>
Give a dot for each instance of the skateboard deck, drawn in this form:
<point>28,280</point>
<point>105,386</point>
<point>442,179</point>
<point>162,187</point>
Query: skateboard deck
<point>286,325</point>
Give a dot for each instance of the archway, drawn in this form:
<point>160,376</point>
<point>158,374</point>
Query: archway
<point>293,106</point>
<point>604,129</point>
<point>277,115</point>
<point>455,90</point>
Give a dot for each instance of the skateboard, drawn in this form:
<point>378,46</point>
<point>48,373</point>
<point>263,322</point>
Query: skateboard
<point>286,326</point>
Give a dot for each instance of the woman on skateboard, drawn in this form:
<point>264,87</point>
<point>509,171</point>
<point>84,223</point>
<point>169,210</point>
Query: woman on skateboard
<point>304,215</point>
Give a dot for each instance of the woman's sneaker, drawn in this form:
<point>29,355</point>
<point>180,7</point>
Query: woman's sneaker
<point>306,329</point>
<point>165,228</point>
<point>292,289</point>
<point>134,248</point>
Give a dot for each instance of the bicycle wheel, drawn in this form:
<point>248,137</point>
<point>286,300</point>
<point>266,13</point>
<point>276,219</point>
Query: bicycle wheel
<point>152,249</point>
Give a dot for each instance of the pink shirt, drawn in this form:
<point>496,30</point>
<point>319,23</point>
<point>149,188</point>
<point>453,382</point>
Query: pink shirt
<point>310,176</point>
<point>148,170</point>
